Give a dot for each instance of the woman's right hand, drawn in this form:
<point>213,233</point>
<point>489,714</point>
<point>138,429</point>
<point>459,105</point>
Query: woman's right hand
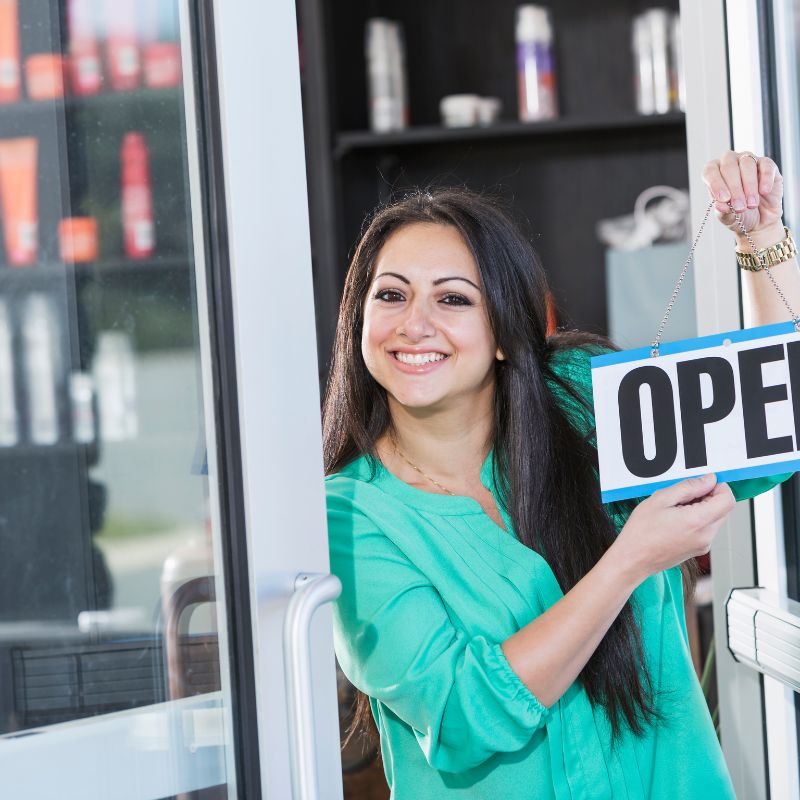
<point>674,524</point>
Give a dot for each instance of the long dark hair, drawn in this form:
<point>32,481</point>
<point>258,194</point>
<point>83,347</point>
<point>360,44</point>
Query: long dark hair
<point>545,470</point>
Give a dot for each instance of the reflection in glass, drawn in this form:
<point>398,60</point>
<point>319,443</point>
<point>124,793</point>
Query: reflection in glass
<point>110,581</point>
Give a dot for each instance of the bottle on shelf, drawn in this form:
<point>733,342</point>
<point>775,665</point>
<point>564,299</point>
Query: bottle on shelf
<point>536,78</point>
<point>386,75</point>
<point>41,366</point>
<point>44,76</point>
<point>86,75</point>
<point>9,418</point>
<point>114,376</point>
<point>18,197</point>
<point>10,83</point>
<point>650,39</point>
<point>81,395</point>
<point>122,45</point>
<point>137,197</point>
<point>677,80</point>
<point>77,239</point>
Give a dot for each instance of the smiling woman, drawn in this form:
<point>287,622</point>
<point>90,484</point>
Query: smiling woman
<point>508,632</point>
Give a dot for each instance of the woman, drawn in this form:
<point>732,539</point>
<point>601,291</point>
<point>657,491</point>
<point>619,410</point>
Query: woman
<point>512,636</point>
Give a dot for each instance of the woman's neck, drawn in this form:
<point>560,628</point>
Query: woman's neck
<point>449,445</point>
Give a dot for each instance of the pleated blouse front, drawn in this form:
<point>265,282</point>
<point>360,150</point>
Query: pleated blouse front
<point>431,588</point>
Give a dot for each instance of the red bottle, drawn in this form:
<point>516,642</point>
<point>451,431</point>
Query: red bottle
<point>137,197</point>
<point>86,76</point>
<point>122,45</point>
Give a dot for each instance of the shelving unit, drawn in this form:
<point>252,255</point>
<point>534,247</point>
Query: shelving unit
<point>561,176</point>
<point>350,141</point>
<point>79,174</point>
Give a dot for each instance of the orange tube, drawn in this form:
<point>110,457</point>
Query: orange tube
<point>10,89</point>
<point>18,199</point>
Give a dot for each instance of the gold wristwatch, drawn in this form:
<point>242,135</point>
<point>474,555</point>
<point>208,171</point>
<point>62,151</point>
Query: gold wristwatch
<point>772,255</point>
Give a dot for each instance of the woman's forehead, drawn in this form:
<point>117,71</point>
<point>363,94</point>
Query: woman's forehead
<point>423,249</point>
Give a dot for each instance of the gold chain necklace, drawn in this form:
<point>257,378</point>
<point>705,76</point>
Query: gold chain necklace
<point>414,466</point>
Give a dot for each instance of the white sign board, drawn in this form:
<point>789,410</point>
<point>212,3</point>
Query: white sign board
<point>727,403</point>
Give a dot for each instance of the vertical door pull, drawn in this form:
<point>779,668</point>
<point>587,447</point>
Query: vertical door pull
<point>311,590</point>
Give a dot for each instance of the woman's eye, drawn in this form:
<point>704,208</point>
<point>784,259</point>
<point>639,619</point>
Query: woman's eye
<point>456,300</point>
<point>389,295</point>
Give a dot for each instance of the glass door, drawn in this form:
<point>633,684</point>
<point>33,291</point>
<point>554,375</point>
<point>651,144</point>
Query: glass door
<point>764,107</point>
<point>130,597</point>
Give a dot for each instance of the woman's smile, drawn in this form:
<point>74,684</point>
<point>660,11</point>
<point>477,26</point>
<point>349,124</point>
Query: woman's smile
<point>418,362</point>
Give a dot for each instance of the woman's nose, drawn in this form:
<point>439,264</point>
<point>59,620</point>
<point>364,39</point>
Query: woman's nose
<point>417,323</point>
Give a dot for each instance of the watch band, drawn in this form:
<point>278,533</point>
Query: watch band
<point>770,256</point>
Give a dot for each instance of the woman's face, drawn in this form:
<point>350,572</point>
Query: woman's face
<point>426,336</point>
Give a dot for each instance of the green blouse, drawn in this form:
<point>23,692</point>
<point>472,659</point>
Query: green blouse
<point>431,587</point>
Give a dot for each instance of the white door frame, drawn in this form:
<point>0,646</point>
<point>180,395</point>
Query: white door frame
<point>277,381</point>
<point>724,110</point>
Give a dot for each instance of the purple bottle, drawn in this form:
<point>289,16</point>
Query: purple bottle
<point>536,79</point>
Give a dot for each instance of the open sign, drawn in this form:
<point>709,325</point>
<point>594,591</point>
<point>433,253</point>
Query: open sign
<point>727,403</point>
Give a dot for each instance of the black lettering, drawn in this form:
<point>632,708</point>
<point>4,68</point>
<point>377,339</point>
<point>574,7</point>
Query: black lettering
<point>755,397</point>
<point>630,421</point>
<point>793,356</point>
<point>694,417</point>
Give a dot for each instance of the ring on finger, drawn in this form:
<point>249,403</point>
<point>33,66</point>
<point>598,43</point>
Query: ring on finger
<point>747,155</point>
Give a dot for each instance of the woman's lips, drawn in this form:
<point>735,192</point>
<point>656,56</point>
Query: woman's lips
<point>417,369</point>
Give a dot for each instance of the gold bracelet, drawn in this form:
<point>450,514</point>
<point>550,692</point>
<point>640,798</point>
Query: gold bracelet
<point>768,256</point>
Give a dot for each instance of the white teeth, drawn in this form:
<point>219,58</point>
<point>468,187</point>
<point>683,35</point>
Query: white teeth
<point>419,358</point>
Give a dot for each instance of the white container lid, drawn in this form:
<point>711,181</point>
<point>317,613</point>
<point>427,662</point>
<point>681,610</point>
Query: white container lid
<point>533,24</point>
<point>459,109</point>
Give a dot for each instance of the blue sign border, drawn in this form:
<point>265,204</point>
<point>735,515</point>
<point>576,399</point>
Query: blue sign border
<point>685,346</point>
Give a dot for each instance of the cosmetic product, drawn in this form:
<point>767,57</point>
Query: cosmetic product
<point>137,200</point>
<point>38,336</point>
<point>122,45</point>
<point>85,72</point>
<point>77,239</point>
<point>459,110</point>
<point>81,395</point>
<point>114,376</point>
<point>536,80</point>
<point>18,178</point>
<point>385,56</point>
<point>162,65</point>
<point>489,109</point>
<point>9,419</point>
<point>10,89</point>
<point>677,80</point>
<point>650,41</point>
<point>44,76</point>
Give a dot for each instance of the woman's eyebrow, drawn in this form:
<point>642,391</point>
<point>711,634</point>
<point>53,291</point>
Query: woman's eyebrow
<point>435,283</point>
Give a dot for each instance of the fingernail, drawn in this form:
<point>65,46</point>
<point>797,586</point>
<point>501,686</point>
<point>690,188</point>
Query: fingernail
<point>724,195</point>
<point>739,204</point>
<point>752,200</point>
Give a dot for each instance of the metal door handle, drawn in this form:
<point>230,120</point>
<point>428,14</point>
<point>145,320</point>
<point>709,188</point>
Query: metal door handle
<point>311,590</point>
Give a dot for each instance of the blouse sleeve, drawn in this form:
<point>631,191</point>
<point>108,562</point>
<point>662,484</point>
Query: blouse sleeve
<point>395,641</point>
<point>574,366</point>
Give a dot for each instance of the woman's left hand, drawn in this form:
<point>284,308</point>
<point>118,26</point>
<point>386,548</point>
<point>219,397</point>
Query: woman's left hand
<point>754,187</point>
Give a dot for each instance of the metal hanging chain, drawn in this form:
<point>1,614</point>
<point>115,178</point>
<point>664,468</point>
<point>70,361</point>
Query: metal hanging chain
<point>765,268</point>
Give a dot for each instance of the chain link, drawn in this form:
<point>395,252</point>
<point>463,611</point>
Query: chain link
<point>654,352</point>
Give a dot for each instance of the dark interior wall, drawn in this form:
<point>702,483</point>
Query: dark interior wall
<point>458,46</point>
<point>560,180</point>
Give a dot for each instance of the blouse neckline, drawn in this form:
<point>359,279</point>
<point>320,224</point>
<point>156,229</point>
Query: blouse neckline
<point>431,501</point>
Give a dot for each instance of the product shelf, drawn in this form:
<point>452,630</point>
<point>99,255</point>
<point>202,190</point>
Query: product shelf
<point>26,450</point>
<point>105,269</point>
<point>101,101</point>
<point>351,141</point>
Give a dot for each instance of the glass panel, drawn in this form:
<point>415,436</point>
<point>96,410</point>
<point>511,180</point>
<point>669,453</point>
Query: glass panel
<point>784,118</point>
<point>111,587</point>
